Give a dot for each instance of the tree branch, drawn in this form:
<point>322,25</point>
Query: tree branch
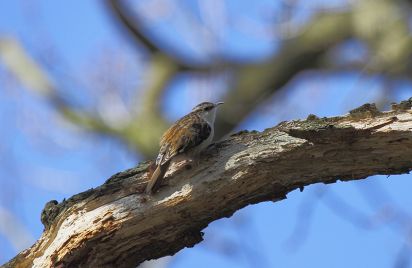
<point>115,225</point>
<point>148,123</point>
<point>135,27</point>
<point>255,83</point>
<point>121,12</point>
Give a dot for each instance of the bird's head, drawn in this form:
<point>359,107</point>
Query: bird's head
<point>207,110</point>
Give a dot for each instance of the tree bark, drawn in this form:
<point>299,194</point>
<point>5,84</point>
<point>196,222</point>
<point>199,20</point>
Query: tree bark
<point>116,225</point>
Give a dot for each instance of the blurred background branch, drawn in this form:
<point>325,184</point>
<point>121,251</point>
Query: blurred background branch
<point>250,83</point>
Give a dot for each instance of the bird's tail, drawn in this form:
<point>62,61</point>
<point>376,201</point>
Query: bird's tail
<point>156,178</point>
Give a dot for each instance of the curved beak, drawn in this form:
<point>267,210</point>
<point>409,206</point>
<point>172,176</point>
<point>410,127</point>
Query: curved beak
<point>218,103</point>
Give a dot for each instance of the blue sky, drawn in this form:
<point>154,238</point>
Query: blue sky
<point>40,163</point>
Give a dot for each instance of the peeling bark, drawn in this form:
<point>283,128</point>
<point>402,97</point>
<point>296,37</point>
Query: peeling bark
<point>116,225</point>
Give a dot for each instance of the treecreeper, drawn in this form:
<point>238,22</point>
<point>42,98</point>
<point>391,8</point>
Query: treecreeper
<point>187,137</point>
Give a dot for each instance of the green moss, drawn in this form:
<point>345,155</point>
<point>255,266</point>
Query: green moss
<point>312,117</point>
<point>365,111</point>
<point>403,105</point>
<point>49,213</point>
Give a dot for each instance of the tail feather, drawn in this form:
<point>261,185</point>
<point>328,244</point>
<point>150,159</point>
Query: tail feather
<point>156,178</point>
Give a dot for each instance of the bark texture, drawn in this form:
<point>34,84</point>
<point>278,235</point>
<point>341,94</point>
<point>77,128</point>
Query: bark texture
<point>115,225</point>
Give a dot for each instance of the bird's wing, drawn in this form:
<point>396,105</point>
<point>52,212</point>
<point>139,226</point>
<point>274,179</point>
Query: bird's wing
<point>184,135</point>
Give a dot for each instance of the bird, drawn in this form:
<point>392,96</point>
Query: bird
<point>188,136</point>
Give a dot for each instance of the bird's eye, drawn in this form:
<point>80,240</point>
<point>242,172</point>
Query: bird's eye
<point>208,108</point>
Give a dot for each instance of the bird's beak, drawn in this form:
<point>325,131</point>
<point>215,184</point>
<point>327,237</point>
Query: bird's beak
<point>218,103</point>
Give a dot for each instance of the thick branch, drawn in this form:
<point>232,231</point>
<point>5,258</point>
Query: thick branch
<point>115,225</point>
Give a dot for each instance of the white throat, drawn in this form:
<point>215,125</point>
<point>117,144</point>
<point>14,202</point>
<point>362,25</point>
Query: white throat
<point>209,117</point>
